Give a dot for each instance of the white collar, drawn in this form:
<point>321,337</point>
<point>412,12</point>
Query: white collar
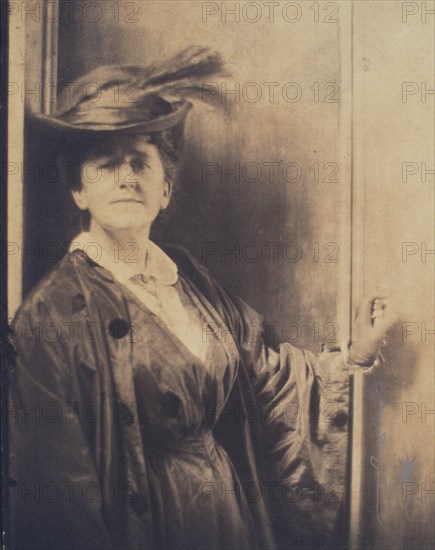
<point>157,263</point>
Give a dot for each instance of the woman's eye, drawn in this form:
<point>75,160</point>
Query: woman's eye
<point>111,165</point>
<point>138,166</point>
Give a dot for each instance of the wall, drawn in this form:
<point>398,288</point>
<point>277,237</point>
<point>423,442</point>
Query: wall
<point>394,234</point>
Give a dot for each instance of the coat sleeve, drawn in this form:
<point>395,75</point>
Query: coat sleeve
<point>303,402</point>
<point>54,490</point>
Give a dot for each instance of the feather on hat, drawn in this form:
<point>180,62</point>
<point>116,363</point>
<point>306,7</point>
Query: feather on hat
<point>133,98</point>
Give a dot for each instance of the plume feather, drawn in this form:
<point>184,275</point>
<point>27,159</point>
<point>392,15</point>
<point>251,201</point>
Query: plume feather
<point>193,62</point>
<point>185,75</point>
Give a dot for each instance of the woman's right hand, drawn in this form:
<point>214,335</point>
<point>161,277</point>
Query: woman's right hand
<point>372,323</point>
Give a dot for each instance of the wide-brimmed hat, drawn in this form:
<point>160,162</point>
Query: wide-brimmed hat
<point>132,99</point>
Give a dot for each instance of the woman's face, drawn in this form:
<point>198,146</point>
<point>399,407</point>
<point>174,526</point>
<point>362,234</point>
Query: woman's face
<point>123,184</point>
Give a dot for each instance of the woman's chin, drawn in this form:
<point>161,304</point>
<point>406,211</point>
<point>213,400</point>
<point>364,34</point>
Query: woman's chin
<point>128,224</point>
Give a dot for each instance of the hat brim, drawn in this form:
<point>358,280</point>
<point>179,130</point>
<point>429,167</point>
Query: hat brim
<point>164,122</point>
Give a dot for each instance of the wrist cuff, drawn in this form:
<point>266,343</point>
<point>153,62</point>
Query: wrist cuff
<point>345,349</point>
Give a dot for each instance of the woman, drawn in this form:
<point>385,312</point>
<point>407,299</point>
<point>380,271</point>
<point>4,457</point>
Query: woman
<point>156,417</point>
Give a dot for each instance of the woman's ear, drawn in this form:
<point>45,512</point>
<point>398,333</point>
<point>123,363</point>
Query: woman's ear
<point>167,192</point>
<point>80,198</point>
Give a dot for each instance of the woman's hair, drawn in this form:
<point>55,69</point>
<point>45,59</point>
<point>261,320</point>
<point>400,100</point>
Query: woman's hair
<point>170,145</point>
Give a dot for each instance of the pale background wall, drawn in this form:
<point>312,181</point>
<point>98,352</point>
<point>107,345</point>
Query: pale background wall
<point>386,211</point>
<point>394,43</point>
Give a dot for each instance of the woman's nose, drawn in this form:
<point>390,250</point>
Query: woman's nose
<point>128,177</point>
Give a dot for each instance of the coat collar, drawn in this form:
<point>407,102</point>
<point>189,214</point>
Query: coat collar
<point>157,264</point>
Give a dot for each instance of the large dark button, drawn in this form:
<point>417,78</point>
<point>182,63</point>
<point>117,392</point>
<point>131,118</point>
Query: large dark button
<point>138,504</point>
<point>340,419</point>
<point>124,414</point>
<point>118,328</point>
<point>78,303</point>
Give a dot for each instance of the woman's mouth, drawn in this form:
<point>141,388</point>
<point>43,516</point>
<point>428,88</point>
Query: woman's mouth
<point>127,200</point>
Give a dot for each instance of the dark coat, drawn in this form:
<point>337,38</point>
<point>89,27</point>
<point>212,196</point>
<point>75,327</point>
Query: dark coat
<point>77,483</point>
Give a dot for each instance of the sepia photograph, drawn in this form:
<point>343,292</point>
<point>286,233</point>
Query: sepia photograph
<point>218,275</point>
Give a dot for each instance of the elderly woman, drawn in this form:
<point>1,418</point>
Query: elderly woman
<point>160,419</point>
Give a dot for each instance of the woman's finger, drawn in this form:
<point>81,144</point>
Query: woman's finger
<point>385,322</point>
<point>377,313</point>
<point>366,307</point>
